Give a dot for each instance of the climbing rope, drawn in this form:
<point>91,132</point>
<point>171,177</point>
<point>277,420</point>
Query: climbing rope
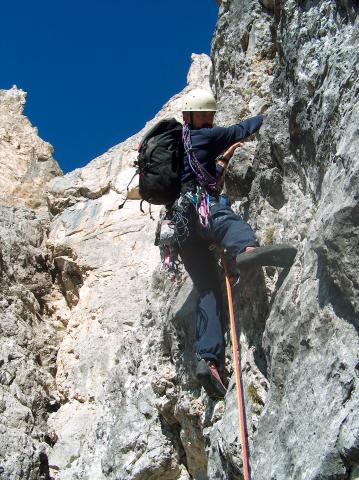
<point>205,179</point>
<point>237,369</point>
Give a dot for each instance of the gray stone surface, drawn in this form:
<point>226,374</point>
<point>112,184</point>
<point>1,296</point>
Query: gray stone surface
<point>31,324</point>
<point>304,190</point>
<point>28,345</point>
<point>26,161</point>
<point>115,337</point>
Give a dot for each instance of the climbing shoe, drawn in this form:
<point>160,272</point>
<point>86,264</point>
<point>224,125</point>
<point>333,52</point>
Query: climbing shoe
<point>281,255</point>
<point>208,376</point>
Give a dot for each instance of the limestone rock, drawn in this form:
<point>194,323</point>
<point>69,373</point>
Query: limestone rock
<point>28,345</point>
<point>30,328</point>
<point>122,395</point>
<point>26,161</point>
<point>303,190</point>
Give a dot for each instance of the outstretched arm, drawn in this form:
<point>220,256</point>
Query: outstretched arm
<point>222,138</point>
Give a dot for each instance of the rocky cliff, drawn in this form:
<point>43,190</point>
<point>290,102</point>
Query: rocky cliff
<point>28,345</point>
<point>97,362</point>
<point>26,161</point>
<point>304,188</point>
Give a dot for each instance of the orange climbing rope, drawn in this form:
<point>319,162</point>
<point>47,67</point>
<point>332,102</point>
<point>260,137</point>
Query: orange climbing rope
<point>237,369</point>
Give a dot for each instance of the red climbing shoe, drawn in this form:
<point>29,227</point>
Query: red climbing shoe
<point>281,255</point>
<point>209,378</point>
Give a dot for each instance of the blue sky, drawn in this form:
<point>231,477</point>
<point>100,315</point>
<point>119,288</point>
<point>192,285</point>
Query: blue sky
<point>97,70</point>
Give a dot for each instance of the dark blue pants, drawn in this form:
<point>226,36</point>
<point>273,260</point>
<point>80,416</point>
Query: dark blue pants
<point>232,233</point>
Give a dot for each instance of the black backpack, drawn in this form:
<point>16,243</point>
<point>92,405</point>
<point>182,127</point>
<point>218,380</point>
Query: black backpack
<point>160,161</point>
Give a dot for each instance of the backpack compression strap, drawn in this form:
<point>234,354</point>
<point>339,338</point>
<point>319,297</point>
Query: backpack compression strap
<point>127,189</point>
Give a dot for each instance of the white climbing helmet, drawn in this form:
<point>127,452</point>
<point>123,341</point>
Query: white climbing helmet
<point>199,100</point>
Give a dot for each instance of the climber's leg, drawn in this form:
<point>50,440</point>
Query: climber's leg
<point>231,232</point>
<point>236,236</point>
<point>201,265</point>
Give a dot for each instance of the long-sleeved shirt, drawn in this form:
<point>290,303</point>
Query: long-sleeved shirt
<point>209,143</point>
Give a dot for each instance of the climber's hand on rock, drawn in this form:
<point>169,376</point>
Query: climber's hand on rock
<point>230,151</point>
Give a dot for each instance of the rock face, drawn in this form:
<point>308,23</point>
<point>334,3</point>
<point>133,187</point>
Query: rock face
<point>29,329</point>
<point>28,345</point>
<point>26,161</point>
<point>303,189</point>
<point>122,401</point>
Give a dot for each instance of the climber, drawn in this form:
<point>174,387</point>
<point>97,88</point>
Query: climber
<point>201,220</point>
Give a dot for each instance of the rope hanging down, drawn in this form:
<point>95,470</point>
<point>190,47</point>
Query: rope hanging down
<point>237,369</point>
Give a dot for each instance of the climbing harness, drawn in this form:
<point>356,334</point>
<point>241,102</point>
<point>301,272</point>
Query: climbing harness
<point>208,188</point>
<point>173,227</point>
<point>237,369</point>
<point>174,224</point>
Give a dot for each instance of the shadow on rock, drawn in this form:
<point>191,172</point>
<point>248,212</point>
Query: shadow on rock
<point>338,259</point>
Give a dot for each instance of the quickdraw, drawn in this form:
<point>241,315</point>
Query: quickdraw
<point>169,260</point>
<point>203,209</point>
<point>166,240</point>
<point>200,200</point>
